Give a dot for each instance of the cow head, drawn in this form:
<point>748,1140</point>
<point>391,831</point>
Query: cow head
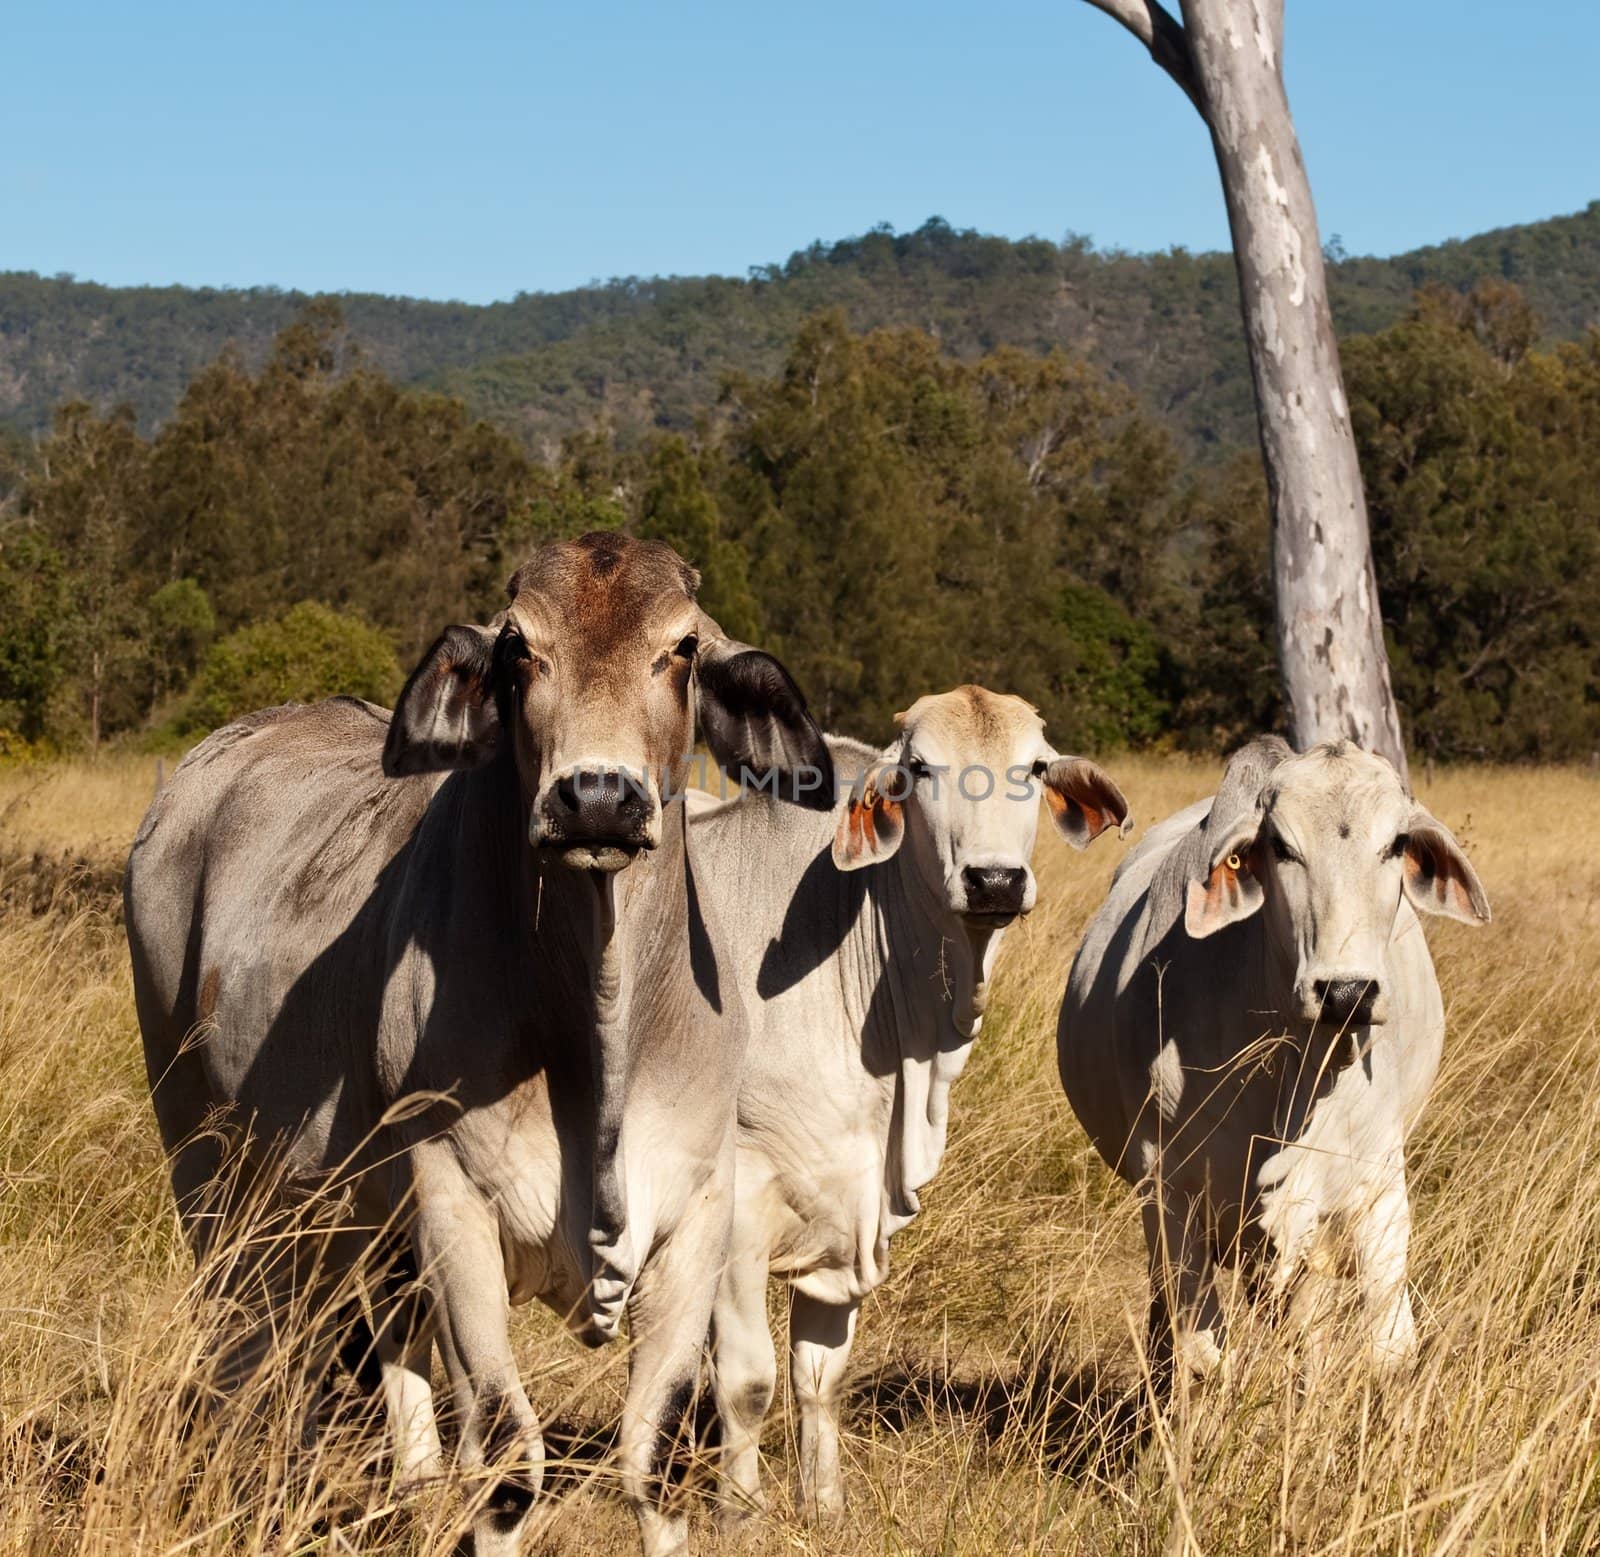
<point>962,786</point>
<point>589,680</point>
<point>1327,843</point>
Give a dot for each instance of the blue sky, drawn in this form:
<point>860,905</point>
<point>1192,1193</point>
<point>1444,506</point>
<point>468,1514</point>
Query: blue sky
<point>478,149</point>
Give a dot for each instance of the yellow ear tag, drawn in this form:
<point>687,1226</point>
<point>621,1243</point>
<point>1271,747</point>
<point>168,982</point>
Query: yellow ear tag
<point>1233,862</point>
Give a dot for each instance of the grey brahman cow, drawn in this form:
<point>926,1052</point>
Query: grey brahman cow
<point>486,900</point>
<point>862,943</point>
<point>1250,1030</point>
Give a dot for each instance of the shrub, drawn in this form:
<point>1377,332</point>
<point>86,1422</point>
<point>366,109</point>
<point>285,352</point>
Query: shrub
<point>310,652</point>
<point>1107,671</point>
<point>179,625</point>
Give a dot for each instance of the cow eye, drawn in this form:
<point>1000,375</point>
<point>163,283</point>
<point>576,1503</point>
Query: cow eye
<point>687,646</point>
<point>1399,846</point>
<point>917,768</point>
<point>1282,852</point>
<point>518,652</point>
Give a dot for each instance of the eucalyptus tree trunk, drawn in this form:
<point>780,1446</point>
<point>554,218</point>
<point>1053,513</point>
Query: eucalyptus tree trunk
<point>1227,55</point>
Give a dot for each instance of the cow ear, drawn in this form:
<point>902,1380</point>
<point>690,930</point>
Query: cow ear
<point>874,821</point>
<point>754,719</point>
<point>1438,877</point>
<point>1084,801</point>
<point>1232,889</point>
<point>446,717</point>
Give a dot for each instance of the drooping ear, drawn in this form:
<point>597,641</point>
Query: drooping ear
<point>756,723</point>
<point>1438,877</point>
<point>873,823</point>
<point>446,717</point>
<point>1084,801</point>
<point>1231,890</point>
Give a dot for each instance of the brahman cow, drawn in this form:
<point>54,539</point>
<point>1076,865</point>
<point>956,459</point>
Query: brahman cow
<point>1250,1030</point>
<point>862,943</point>
<point>331,910</point>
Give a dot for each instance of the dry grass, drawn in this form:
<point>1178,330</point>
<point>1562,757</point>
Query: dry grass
<point>992,1366</point>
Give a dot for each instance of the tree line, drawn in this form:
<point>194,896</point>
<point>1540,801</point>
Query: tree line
<point>888,516</point>
<point>649,352</point>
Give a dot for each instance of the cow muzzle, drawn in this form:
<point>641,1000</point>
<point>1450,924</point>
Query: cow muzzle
<point>596,817</point>
<point>993,895</point>
<point>1344,1000</point>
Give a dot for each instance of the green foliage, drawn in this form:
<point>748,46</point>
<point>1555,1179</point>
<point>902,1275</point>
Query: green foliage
<point>1480,460</point>
<point>86,498</point>
<point>16,459</point>
<point>179,624</point>
<point>1112,668</point>
<point>314,479</point>
<point>1218,632</point>
<point>1164,325</point>
<point>650,354</point>
<point>914,521</point>
<point>35,617</point>
<point>888,515</point>
<point>676,506</point>
<point>320,479</point>
<point>309,652</point>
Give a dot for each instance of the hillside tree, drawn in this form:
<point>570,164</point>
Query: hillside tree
<point>91,484</point>
<point>1481,460</point>
<point>1227,56</point>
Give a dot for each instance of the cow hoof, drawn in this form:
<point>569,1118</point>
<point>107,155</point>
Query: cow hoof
<point>663,1535</point>
<point>1198,1353</point>
<point>825,1509</point>
<point>409,1480</point>
<point>736,1518</point>
<point>1392,1347</point>
<point>1391,1356</point>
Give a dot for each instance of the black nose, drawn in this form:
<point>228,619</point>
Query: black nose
<point>994,889</point>
<point>1346,1000</point>
<point>597,805</point>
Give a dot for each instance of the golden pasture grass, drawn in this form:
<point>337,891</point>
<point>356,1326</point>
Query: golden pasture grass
<point>91,808</point>
<point>995,1369</point>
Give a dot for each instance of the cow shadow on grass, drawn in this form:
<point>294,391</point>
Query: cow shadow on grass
<point>1090,1420</point>
<point>1086,1422</point>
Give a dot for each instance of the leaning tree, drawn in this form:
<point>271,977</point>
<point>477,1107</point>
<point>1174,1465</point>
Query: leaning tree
<point>1227,55</point>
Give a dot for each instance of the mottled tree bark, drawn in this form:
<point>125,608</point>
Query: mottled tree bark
<point>1228,57</point>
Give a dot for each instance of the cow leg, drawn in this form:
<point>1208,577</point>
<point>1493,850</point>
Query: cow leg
<point>388,1353</point>
<point>209,1176</point>
<point>1382,1238</point>
<point>1185,1317</point>
<point>819,1355</point>
<point>408,1395</point>
<point>458,1248</point>
<point>405,1354</point>
<point>669,1316</point>
<point>744,1374</point>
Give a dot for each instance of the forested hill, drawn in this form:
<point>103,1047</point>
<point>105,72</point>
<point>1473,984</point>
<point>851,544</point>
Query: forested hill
<point>654,352</point>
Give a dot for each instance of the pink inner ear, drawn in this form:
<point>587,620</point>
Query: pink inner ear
<point>864,819</point>
<point>1225,895</point>
<point>1417,878</point>
<point>1062,808</point>
<point>1222,891</point>
<point>1423,875</point>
